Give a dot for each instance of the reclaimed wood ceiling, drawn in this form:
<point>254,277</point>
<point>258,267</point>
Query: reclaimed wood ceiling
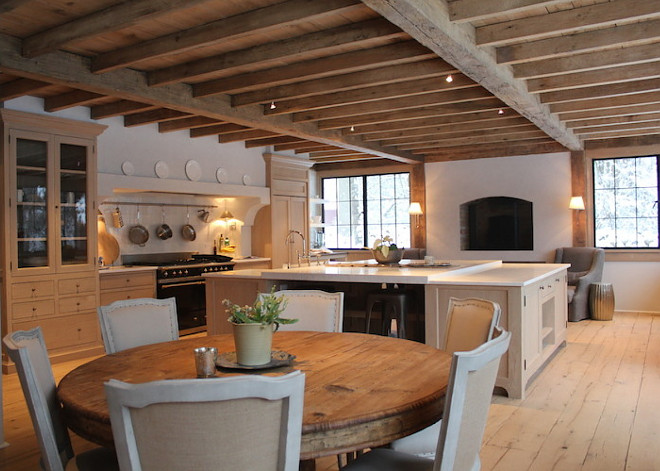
<point>342,80</point>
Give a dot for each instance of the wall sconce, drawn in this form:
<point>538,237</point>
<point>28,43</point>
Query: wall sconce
<point>415,210</point>
<point>576,203</point>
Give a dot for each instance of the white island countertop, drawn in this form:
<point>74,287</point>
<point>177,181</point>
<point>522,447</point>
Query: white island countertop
<point>491,272</point>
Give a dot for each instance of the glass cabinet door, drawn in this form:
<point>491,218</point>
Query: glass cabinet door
<point>32,221</point>
<point>73,203</point>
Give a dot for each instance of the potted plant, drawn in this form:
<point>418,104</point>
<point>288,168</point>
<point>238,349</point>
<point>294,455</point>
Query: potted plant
<point>253,327</point>
<point>386,251</point>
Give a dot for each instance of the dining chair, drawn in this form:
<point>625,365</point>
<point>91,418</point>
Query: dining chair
<point>130,323</point>
<point>471,382</point>
<point>27,350</point>
<point>315,310</point>
<point>471,322</point>
<point>233,423</point>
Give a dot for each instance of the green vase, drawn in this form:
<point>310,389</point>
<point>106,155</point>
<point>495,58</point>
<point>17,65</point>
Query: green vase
<point>253,343</point>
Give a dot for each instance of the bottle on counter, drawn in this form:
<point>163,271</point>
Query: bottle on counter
<point>227,242</point>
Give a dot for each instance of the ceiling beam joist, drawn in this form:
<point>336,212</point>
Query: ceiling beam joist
<point>429,23</point>
<point>118,108</point>
<point>462,11</point>
<point>69,100</point>
<point>19,87</point>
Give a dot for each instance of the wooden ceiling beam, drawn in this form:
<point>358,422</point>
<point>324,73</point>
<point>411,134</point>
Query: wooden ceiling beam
<point>113,18</point>
<point>490,150</point>
<point>217,129</point>
<point>428,22</point>
<point>595,77</point>
<point>618,127</point>
<point>461,11</point>
<point>9,5</point>
<point>436,137</point>
<point>407,88</point>
<point>72,70</point>
<point>443,146</point>
<point>619,134</point>
<point>118,108</point>
<point>566,21</point>
<point>70,99</point>
<point>615,37</point>
<point>414,101</point>
<point>20,87</point>
<point>404,52</point>
<point>231,28</point>
<point>633,118</point>
<point>152,116</point>
<point>370,33</point>
<point>186,123</point>
<point>346,158</point>
<point>414,113</point>
<point>481,138</point>
<point>248,134</point>
<point>601,91</point>
<point>609,102</point>
<point>587,61</point>
<point>269,141</point>
<point>308,149</point>
<point>344,82</point>
<point>608,112</point>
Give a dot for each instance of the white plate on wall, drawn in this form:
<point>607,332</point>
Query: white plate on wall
<point>127,168</point>
<point>193,170</point>
<point>161,169</point>
<point>247,179</point>
<point>221,175</point>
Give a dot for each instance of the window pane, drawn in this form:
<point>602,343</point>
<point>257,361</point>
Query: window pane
<point>647,232</point>
<point>625,203</point>
<point>373,187</point>
<point>603,173</point>
<point>330,189</point>
<point>388,212</point>
<point>646,173</point>
<point>344,212</point>
<point>344,236</point>
<point>624,173</point>
<point>343,192</point>
<point>402,185</point>
<point>626,232</point>
<point>646,202</point>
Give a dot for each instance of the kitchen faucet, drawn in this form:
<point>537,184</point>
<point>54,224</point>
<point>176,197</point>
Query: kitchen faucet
<point>289,240</point>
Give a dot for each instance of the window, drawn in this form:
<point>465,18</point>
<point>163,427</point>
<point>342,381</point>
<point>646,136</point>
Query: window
<point>361,209</point>
<point>626,202</point>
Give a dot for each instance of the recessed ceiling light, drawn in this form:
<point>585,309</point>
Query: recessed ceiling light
<point>500,111</point>
<point>272,105</point>
<point>449,79</point>
<point>352,128</point>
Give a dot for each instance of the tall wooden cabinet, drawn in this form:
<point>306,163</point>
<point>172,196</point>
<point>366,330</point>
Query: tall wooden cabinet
<point>48,250</point>
<point>288,180</point>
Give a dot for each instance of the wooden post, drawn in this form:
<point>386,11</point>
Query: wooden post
<point>579,188</point>
<point>418,194</point>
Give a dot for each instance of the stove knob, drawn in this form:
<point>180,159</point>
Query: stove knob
<point>205,269</point>
<point>166,274</point>
<point>180,273</point>
<point>185,272</point>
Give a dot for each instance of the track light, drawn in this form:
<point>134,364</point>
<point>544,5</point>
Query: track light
<point>272,105</point>
<point>449,79</point>
<point>500,112</point>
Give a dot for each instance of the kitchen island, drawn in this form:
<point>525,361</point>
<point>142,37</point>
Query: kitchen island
<point>532,297</point>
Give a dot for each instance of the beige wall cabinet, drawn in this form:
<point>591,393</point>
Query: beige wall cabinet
<point>49,245</point>
<point>287,178</point>
<point>131,285</point>
<point>535,314</point>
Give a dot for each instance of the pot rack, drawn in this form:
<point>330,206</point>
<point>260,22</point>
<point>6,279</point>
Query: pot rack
<point>178,205</point>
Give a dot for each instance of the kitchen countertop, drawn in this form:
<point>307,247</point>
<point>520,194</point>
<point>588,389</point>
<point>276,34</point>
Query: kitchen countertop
<point>126,268</point>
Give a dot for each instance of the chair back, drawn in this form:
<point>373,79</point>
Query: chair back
<point>471,382</point>
<point>133,322</point>
<point>232,423</point>
<point>471,322</point>
<point>28,351</point>
<point>315,310</point>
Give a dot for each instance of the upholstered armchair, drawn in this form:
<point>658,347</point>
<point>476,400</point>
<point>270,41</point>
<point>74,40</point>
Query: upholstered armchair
<point>586,268</point>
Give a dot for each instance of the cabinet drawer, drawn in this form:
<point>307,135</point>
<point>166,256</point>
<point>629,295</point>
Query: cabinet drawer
<point>112,296</point>
<point>33,309</point>
<point>77,285</point>
<point>32,289</point>
<point>289,188</point>
<point>127,280</point>
<point>69,331</point>
<point>547,287</point>
<point>77,304</point>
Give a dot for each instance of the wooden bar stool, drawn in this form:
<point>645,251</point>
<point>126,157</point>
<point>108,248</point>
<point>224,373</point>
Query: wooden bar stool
<point>393,303</point>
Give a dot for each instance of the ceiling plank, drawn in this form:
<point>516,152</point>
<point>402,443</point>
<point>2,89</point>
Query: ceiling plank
<point>615,134</point>
<point>494,150</point>
<point>345,158</point>
<point>8,5</point>
<point>618,127</point>
<point>73,70</point>
<point>186,123</point>
<point>262,19</point>
<point>366,33</point>
<point>461,11</point>
<point>19,87</point>
<point>118,108</point>
<point>616,37</point>
<point>372,77</point>
<point>566,21</point>
<point>368,94</point>
<point>404,52</point>
<point>609,102</point>
<point>70,99</point>
<point>269,141</point>
<point>414,101</point>
<point>474,139</point>
<point>587,61</point>
<point>636,141</point>
<point>245,135</point>
<point>152,116</point>
<point>595,77</point>
<point>112,18</point>
<point>217,129</point>
<point>428,22</point>
<point>454,134</point>
<point>609,112</point>
<point>633,118</point>
<point>600,91</point>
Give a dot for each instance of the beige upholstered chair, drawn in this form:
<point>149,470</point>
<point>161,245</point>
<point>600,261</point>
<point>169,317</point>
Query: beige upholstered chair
<point>234,423</point>
<point>471,383</point>
<point>133,322</point>
<point>471,323</point>
<point>586,268</point>
<point>315,310</point>
<point>28,350</point>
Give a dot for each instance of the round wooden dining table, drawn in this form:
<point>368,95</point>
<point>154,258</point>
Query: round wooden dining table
<point>361,390</point>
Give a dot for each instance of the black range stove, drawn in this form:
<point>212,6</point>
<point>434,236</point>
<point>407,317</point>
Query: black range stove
<point>181,276</point>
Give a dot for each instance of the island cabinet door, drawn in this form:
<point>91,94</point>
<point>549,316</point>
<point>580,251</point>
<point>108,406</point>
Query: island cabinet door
<point>531,321</point>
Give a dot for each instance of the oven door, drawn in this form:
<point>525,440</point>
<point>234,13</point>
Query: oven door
<point>190,303</point>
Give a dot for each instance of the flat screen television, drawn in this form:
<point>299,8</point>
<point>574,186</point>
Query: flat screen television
<point>497,223</point>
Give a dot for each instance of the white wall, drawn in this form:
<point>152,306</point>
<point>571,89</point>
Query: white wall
<point>545,180</point>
